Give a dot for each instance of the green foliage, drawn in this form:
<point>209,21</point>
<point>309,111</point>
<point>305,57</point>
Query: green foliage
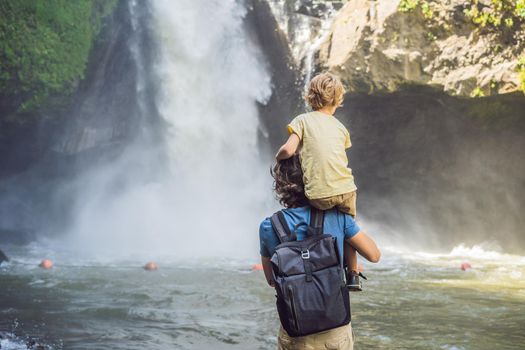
<point>411,5</point>
<point>44,47</point>
<point>504,17</point>
<point>519,9</point>
<point>431,36</point>
<point>500,14</point>
<point>408,5</point>
<point>477,92</point>
<point>427,10</point>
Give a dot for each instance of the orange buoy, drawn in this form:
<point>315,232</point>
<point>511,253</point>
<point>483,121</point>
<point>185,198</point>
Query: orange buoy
<point>150,266</point>
<point>257,267</point>
<point>465,266</point>
<point>46,264</point>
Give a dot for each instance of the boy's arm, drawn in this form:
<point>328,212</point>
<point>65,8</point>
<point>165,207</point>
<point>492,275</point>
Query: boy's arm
<point>288,149</point>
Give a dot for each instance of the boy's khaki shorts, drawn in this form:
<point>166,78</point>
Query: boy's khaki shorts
<point>346,202</point>
<point>340,338</point>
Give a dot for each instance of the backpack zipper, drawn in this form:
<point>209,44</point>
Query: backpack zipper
<point>294,315</point>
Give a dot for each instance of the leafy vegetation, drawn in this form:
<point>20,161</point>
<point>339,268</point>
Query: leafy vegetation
<point>477,92</point>
<point>427,10</point>
<point>44,48</point>
<point>411,5</point>
<point>500,13</point>
<point>502,19</point>
<point>408,5</point>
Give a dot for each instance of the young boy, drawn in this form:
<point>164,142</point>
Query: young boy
<point>323,140</point>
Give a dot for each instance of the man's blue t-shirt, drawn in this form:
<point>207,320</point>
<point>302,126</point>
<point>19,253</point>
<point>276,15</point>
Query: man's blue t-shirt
<point>340,225</point>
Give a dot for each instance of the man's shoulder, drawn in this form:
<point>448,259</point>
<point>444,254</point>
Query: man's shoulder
<point>299,213</point>
<point>335,214</point>
<point>292,217</point>
<point>265,225</point>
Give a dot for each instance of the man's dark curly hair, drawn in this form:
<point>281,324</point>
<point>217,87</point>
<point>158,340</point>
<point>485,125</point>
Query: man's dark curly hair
<point>288,182</point>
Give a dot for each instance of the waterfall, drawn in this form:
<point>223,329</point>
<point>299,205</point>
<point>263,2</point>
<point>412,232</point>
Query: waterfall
<point>320,38</point>
<point>210,79</point>
<point>306,26</point>
<point>215,188</point>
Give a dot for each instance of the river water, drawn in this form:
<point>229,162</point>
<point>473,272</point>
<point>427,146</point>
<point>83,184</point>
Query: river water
<point>411,301</point>
<point>210,78</point>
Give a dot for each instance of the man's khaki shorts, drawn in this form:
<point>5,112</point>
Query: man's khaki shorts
<point>340,338</point>
<point>346,202</point>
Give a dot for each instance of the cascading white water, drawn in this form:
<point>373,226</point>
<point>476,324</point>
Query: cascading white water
<point>305,33</point>
<point>211,77</point>
<point>217,188</point>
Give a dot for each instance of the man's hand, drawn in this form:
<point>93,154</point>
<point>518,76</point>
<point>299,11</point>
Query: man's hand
<point>289,148</point>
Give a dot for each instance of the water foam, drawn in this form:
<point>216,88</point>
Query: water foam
<point>9,341</point>
<point>490,272</point>
<point>481,253</point>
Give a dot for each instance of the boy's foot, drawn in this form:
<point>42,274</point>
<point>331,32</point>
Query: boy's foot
<point>353,282</point>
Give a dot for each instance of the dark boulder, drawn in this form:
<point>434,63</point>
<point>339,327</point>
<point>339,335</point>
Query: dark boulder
<point>3,257</point>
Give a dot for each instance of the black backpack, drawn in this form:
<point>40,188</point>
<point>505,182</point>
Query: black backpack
<point>309,279</point>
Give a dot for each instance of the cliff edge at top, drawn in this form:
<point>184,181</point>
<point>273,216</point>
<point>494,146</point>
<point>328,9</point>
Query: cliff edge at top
<point>465,48</point>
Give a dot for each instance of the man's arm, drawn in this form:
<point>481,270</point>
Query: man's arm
<point>288,149</point>
<point>365,246</point>
<point>267,268</point>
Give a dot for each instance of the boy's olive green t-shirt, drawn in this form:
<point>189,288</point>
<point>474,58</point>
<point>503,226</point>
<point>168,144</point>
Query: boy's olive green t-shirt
<point>324,140</point>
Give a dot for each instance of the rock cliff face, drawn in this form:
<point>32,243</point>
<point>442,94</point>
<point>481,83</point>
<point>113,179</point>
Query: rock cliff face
<point>378,46</point>
<point>381,46</point>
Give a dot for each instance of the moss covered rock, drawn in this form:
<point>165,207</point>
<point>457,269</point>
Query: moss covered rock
<point>44,49</point>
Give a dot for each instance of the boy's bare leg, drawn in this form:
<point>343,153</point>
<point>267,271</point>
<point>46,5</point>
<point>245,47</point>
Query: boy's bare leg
<point>353,274</point>
<point>347,204</point>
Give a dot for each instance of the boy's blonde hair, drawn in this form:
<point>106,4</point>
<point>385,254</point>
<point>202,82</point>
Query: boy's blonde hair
<point>324,89</point>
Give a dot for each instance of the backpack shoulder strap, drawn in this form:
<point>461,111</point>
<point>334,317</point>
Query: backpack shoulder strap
<point>316,220</point>
<point>281,227</point>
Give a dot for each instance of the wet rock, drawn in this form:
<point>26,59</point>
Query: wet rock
<point>33,345</point>
<point>312,8</point>
<point>3,258</point>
